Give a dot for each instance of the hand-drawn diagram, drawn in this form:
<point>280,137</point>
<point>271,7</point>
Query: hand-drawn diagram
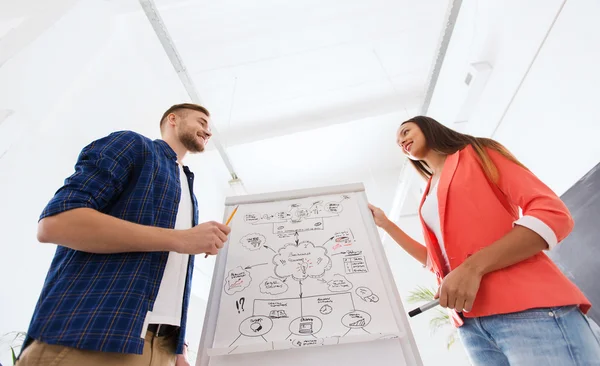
<point>273,286</point>
<point>297,218</point>
<point>253,241</point>
<point>302,281</point>
<point>301,260</point>
<point>366,294</point>
<point>239,304</point>
<point>237,280</point>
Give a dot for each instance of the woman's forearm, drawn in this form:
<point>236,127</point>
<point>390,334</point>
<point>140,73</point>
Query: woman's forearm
<point>517,245</point>
<point>411,246</point>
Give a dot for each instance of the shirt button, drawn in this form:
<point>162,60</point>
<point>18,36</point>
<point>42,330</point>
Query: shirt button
<point>550,313</point>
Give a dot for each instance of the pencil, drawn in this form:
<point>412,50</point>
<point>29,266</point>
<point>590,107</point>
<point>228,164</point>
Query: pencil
<point>228,221</point>
<point>231,216</point>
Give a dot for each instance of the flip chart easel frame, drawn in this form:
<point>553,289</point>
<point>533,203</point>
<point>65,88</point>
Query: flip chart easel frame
<point>385,352</point>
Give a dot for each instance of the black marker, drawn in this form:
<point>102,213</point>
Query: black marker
<point>423,308</point>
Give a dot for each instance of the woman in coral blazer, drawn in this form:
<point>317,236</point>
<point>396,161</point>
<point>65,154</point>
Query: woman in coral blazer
<point>510,302</point>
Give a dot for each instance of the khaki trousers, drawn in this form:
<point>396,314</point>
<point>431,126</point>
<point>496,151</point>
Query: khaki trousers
<point>158,351</point>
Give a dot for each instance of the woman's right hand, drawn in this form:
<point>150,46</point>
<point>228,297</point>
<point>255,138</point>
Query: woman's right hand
<point>379,216</point>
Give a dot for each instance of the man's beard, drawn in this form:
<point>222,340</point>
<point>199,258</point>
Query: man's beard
<point>190,141</point>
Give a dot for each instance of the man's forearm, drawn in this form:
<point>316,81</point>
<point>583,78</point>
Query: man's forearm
<point>88,230</point>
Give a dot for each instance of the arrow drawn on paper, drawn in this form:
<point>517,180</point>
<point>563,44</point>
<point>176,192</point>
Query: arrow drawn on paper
<point>328,240</point>
<point>255,265</point>
<point>266,247</point>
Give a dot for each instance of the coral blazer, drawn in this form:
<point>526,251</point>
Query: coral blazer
<point>474,213</point>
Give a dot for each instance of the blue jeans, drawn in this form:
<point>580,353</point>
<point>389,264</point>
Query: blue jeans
<point>560,336</point>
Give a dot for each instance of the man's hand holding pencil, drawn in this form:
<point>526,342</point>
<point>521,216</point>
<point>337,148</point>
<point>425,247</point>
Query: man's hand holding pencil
<point>228,230</point>
<point>207,237</point>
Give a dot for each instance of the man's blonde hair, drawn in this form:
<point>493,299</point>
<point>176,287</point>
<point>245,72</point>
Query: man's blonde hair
<point>180,109</point>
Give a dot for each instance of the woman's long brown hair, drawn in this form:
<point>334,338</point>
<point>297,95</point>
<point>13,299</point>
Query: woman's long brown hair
<point>446,141</point>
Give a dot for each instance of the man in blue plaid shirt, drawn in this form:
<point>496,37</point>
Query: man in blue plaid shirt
<point>126,226</point>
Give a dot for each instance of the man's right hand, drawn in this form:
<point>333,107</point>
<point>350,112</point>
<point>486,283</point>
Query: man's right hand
<point>207,238</point>
<point>88,230</point>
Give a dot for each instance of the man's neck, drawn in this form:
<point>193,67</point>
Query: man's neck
<point>179,149</point>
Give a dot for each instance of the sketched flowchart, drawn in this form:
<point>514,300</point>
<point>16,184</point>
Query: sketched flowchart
<point>306,284</point>
<point>298,218</point>
<point>333,311</point>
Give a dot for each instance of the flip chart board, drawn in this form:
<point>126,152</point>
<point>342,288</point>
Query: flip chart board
<point>303,279</point>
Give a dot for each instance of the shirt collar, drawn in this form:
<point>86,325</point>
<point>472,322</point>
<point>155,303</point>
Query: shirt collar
<point>166,149</point>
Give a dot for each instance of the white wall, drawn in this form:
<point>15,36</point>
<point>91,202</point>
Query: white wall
<point>551,126</point>
<point>505,34</point>
<point>82,78</point>
<point>31,84</point>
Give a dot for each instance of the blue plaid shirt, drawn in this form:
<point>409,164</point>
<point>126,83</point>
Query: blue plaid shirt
<point>99,301</point>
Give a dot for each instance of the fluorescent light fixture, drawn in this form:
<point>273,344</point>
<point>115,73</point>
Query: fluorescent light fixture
<point>159,27</point>
<point>475,80</point>
<point>237,187</point>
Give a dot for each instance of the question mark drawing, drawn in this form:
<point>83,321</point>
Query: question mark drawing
<point>240,304</point>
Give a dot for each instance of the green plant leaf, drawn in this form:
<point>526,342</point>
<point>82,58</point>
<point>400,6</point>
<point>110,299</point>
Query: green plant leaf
<point>18,335</point>
<point>14,356</point>
<point>438,322</point>
<point>450,341</point>
<point>442,313</point>
<point>421,294</point>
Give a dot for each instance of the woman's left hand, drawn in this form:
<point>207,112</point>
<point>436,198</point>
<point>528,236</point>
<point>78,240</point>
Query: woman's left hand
<point>459,288</point>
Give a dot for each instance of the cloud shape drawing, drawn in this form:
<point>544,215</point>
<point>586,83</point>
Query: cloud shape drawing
<point>273,286</point>
<point>237,280</point>
<point>301,261</point>
<point>253,241</point>
<point>339,283</point>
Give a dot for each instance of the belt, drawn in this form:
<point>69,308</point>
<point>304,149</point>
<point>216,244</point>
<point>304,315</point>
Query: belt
<point>163,330</point>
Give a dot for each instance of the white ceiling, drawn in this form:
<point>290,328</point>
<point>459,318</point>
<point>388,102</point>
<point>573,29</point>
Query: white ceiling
<point>329,79</point>
<point>268,68</point>
<point>306,92</point>
<point>11,9</point>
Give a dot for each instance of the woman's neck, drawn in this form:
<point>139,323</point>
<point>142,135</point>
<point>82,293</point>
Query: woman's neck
<point>435,161</point>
